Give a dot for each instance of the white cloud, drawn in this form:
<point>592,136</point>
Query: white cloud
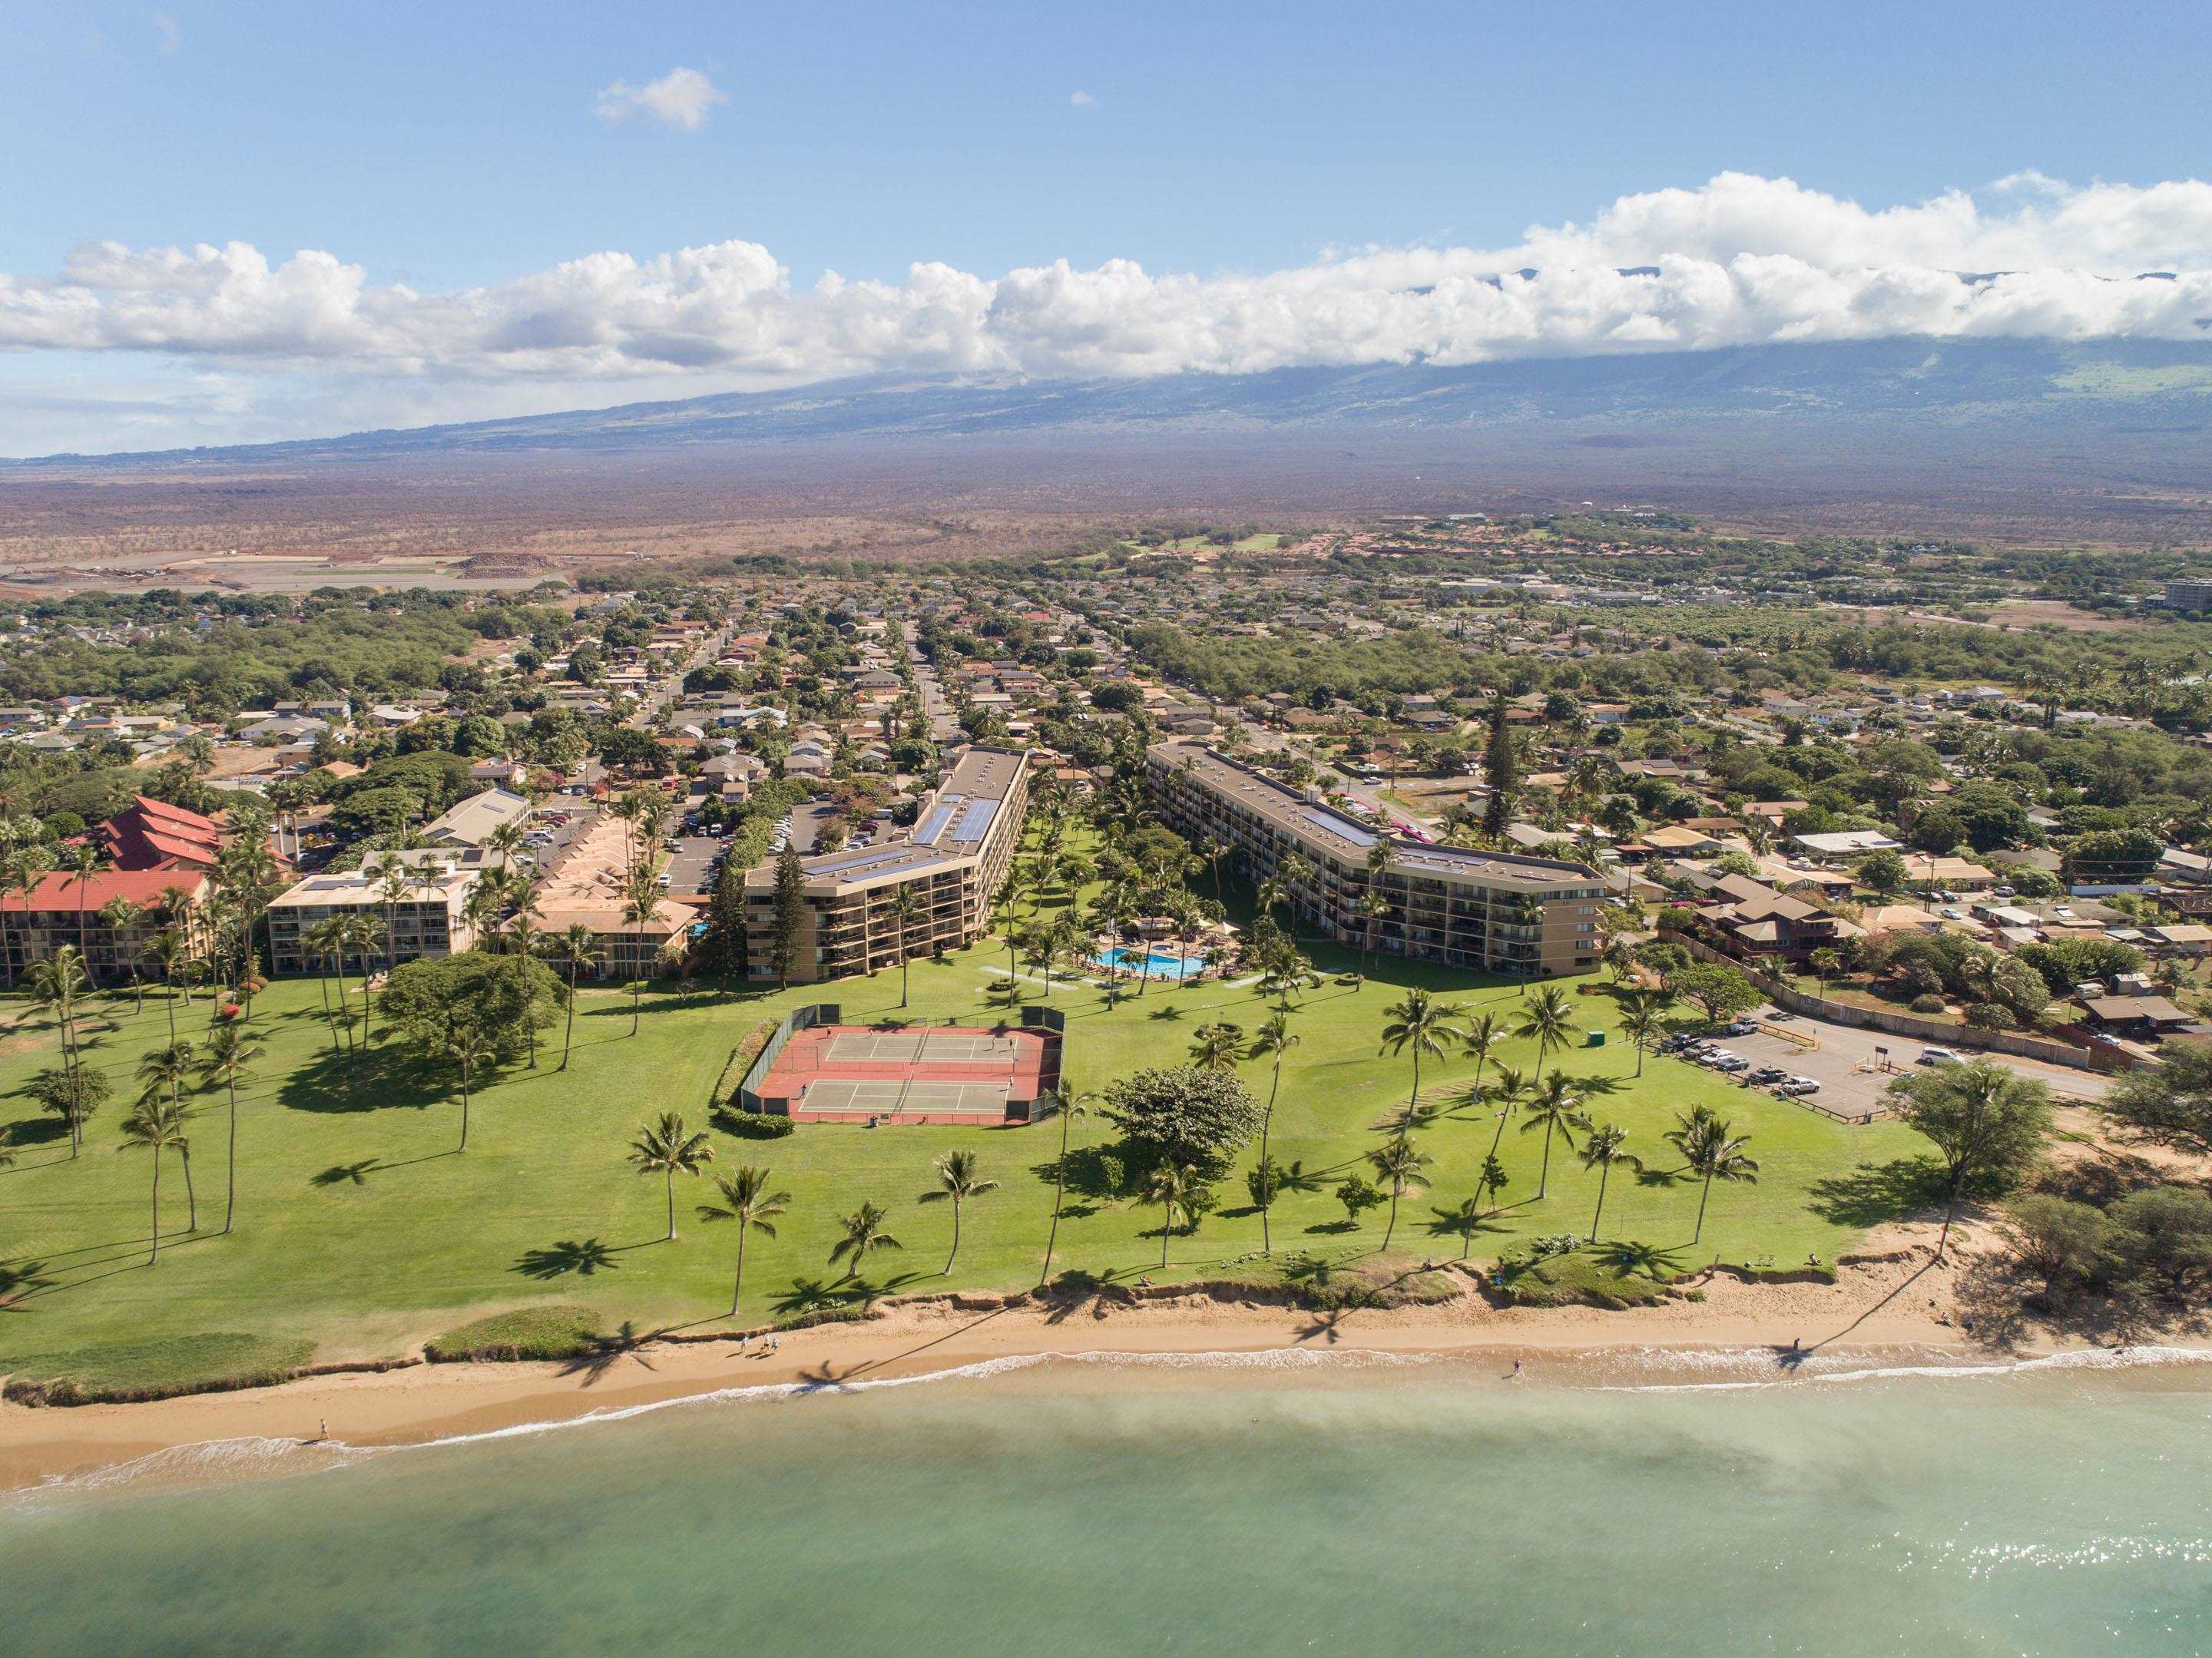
<point>1083,101</point>
<point>1740,260</point>
<point>169,37</point>
<point>682,98</point>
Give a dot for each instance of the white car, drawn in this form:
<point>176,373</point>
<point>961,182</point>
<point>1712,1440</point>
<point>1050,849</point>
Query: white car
<point>1938,1056</point>
<point>1797,1087</point>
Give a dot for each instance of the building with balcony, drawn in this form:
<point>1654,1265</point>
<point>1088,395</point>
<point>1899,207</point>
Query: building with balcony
<point>954,862</point>
<point>63,909</point>
<point>1485,911</point>
<point>424,914</point>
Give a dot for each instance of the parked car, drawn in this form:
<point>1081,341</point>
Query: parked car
<point>1769,1074</point>
<point>1799,1087</point>
<point>1952,913</point>
<point>1732,1063</point>
<point>1938,1056</point>
<point>1742,1027</point>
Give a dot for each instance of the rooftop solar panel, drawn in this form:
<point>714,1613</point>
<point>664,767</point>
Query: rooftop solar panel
<point>852,862</point>
<point>975,820</point>
<point>1338,826</point>
<point>933,826</point>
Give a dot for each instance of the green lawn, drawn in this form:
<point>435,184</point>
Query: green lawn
<point>361,1230</point>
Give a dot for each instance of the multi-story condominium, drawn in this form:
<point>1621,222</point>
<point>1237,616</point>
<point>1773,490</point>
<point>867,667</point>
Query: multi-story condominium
<point>61,908</point>
<point>1491,911</point>
<point>424,916</point>
<point>954,862</point>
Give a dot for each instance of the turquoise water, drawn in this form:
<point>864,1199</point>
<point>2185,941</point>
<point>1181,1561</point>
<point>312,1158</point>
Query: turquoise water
<point>1350,1505</point>
<point>1153,964</point>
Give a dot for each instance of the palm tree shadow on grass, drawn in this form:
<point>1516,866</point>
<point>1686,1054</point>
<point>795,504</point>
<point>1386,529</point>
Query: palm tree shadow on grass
<point>569,1256</point>
<point>1629,1259</point>
<point>19,1279</point>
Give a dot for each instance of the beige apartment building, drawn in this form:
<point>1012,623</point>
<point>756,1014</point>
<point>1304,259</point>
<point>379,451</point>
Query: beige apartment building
<point>1486,911</point>
<point>428,919</point>
<point>954,862</point>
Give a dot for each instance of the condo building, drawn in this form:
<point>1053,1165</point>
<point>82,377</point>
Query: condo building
<point>423,915</point>
<point>954,862</point>
<point>1488,911</point>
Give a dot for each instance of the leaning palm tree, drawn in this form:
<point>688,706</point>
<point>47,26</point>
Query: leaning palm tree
<point>666,1149</point>
<point>1170,1185</point>
<point>158,1124</point>
<point>228,1056</point>
<point>1402,1166</point>
<point>1711,1150</point>
<point>1217,1047</point>
<point>469,1049</point>
<point>1601,1151</point>
<point>1274,1042</point>
<point>864,1236</point>
<point>1555,1107</point>
<point>323,943</point>
<point>905,912</point>
<point>958,1180</point>
<point>577,945</point>
<point>1424,1024</point>
<point>1640,1024</point>
<point>1549,1018</point>
<point>1070,1105</point>
<point>746,1200</point>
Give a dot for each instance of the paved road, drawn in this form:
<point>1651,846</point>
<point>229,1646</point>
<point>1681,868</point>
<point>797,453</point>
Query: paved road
<point>943,727</point>
<point>1264,739</point>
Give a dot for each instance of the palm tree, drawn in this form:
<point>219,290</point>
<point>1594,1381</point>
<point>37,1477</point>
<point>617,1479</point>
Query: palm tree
<point>1641,1024</point>
<point>157,1125</point>
<point>120,916</point>
<point>1465,1218</point>
<point>167,948</point>
<point>1555,1107</point>
<point>21,871</point>
<point>468,1048</point>
<point>574,946</point>
<point>1601,1151</point>
<point>746,1200</point>
<point>1711,1150</point>
<point>904,911</point>
<point>1217,1047</point>
<point>164,1072</point>
<point>1284,971</point>
<point>1070,1106</point>
<point>1274,1042</point>
<point>864,1236</point>
<point>641,908</point>
<point>1374,907</point>
<point>1171,1186</point>
<point>323,945</point>
<point>1547,1017</point>
<point>229,1053</point>
<point>56,984</point>
<point>1424,1024</point>
<point>1399,1164</point>
<point>1270,893</point>
<point>1481,1042</point>
<point>958,1180</point>
<point>663,1148</point>
<point>357,936</point>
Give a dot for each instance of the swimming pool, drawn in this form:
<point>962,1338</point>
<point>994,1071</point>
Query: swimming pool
<point>1151,964</point>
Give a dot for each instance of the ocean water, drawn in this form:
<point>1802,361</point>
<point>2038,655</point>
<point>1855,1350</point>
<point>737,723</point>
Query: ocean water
<point>1348,1503</point>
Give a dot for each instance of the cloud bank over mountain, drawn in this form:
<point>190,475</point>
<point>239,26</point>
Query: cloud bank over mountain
<point>1739,261</point>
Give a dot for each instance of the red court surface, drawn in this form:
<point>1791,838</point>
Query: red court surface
<point>911,1074</point>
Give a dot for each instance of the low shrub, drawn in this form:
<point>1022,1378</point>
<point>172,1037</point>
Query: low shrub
<point>1927,1002</point>
<point>560,1330</point>
<point>212,1362</point>
<point>1992,1016</point>
<point>754,1125</point>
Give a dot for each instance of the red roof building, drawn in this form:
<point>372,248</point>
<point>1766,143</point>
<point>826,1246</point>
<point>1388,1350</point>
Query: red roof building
<point>152,834</point>
<point>63,910</point>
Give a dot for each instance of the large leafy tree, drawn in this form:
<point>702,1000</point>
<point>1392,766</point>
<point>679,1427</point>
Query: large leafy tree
<point>2168,1104</point>
<point>1989,1124</point>
<point>503,998</point>
<point>1184,1115</point>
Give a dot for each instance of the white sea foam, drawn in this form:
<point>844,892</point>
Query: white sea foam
<point>1743,1368</point>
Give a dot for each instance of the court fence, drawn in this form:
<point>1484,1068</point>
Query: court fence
<point>799,1019</point>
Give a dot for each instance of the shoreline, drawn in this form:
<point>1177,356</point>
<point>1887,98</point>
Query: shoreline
<point>1876,1307</point>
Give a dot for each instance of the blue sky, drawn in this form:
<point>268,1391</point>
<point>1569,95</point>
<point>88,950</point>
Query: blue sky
<point>458,146</point>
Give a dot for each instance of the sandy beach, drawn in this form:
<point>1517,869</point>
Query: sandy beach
<point>1900,1302</point>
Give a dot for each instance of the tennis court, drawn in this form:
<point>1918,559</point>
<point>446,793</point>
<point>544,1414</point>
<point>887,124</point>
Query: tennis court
<point>920,1047</point>
<point>844,1095</point>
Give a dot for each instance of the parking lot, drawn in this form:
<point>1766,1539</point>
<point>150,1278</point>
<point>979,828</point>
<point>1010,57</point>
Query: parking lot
<point>691,864</point>
<point>1845,1063</point>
